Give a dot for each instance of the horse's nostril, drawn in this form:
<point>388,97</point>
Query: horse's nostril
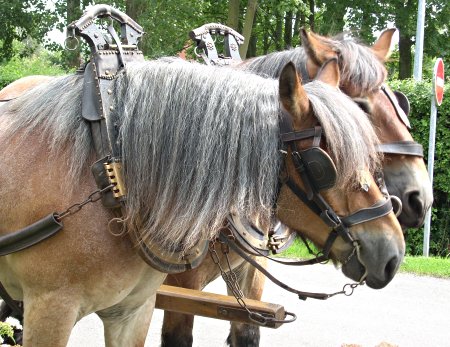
<point>391,267</point>
<point>415,202</point>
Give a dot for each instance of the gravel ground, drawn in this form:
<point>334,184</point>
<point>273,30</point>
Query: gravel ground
<point>412,311</point>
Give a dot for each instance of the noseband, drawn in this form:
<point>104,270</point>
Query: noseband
<point>308,163</point>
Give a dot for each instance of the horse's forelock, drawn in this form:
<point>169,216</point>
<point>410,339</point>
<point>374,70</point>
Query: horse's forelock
<point>360,68</point>
<point>348,132</point>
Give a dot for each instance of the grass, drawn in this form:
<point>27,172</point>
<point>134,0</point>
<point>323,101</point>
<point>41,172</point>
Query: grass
<point>431,266</point>
<point>436,267</point>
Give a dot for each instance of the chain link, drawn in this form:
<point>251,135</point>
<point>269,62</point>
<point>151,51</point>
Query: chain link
<point>231,280</point>
<point>93,197</point>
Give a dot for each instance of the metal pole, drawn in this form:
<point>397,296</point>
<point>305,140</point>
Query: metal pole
<point>418,55</point>
<point>431,146</point>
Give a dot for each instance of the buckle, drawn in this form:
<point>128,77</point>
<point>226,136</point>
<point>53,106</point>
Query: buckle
<point>330,219</point>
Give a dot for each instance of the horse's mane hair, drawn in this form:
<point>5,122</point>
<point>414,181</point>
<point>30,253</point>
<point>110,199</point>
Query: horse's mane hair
<point>272,64</point>
<point>197,142</point>
<point>52,112</point>
<point>358,64</point>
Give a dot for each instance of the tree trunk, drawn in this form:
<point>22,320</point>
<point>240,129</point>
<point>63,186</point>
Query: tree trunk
<point>299,22</point>
<point>404,40</point>
<point>311,14</point>
<point>233,14</point>
<point>405,60</point>
<point>266,35</point>
<point>278,35</point>
<point>288,30</point>
<point>252,47</point>
<point>248,25</point>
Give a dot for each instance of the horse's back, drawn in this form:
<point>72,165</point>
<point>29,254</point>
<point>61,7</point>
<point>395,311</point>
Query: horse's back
<point>20,86</point>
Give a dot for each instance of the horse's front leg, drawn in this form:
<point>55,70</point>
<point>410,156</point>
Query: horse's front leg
<point>251,282</point>
<point>177,327</point>
<point>127,322</point>
<point>49,318</point>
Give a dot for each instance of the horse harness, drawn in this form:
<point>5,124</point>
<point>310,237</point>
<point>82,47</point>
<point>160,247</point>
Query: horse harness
<point>108,60</point>
<point>317,172</point>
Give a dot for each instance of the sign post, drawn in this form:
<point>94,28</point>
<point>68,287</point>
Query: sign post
<point>436,100</point>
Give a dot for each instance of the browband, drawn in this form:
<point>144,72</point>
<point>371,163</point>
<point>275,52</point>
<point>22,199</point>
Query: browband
<point>402,147</point>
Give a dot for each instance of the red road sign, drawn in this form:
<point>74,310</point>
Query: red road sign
<point>438,80</point>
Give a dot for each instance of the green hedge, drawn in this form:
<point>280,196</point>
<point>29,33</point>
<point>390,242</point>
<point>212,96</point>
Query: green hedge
<point>39,63</point>
<point>419,95</point>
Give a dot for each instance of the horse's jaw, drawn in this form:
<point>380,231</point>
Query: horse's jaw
<point>377,260</point>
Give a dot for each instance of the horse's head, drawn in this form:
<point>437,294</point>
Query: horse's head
<point>333,175</point>
<point>362,77</point>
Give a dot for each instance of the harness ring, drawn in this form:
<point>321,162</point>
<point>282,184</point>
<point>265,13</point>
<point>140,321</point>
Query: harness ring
<point>66,40</point>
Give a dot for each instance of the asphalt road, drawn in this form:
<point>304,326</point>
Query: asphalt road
<point>412,311</point>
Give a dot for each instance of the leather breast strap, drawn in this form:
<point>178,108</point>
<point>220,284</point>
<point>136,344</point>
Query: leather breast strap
<point>30,235</point>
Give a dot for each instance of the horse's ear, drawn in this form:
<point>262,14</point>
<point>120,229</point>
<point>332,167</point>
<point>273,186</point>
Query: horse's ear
<point>318,48</point>
<point>329,73</point>
<point>292,94</point>
<point>382,47</point>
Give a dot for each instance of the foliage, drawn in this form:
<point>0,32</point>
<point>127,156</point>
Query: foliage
<point>41,62</point>
<point>436,267</point>
<point>23,19</point>
<point>419,94</point>
<point>6,331</point>
<point>431,266</point>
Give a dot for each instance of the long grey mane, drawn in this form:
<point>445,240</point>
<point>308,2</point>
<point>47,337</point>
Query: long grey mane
<point>197,142</point>
<point>358,64</point>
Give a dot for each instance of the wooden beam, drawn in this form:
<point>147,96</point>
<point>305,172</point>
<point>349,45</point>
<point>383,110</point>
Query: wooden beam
<point>199,303</point>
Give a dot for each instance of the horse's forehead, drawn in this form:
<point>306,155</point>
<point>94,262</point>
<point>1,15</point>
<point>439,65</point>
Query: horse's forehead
<point>385,117</point>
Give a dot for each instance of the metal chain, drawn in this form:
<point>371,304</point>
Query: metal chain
<point>93,197</point>
<point>232,283</point>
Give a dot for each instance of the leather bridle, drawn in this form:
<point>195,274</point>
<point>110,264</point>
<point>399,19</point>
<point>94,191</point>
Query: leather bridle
<point>312,198</point>
<point>401,106</point>
<point>409,148</point>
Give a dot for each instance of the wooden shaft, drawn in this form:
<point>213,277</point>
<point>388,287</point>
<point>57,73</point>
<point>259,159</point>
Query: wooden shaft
<point>199,303</point>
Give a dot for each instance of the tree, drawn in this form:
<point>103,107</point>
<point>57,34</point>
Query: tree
<point>248,25</point>
<point>233,14</point>
<point>21,19</point>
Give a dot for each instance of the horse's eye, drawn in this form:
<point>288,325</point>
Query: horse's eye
<point>363,104</point>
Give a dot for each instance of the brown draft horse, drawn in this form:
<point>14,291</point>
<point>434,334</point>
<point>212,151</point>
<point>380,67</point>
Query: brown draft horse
<point>85,269</point>
<point>362,75</point>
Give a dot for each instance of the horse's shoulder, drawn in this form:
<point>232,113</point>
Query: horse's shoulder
<point>20,86</point>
